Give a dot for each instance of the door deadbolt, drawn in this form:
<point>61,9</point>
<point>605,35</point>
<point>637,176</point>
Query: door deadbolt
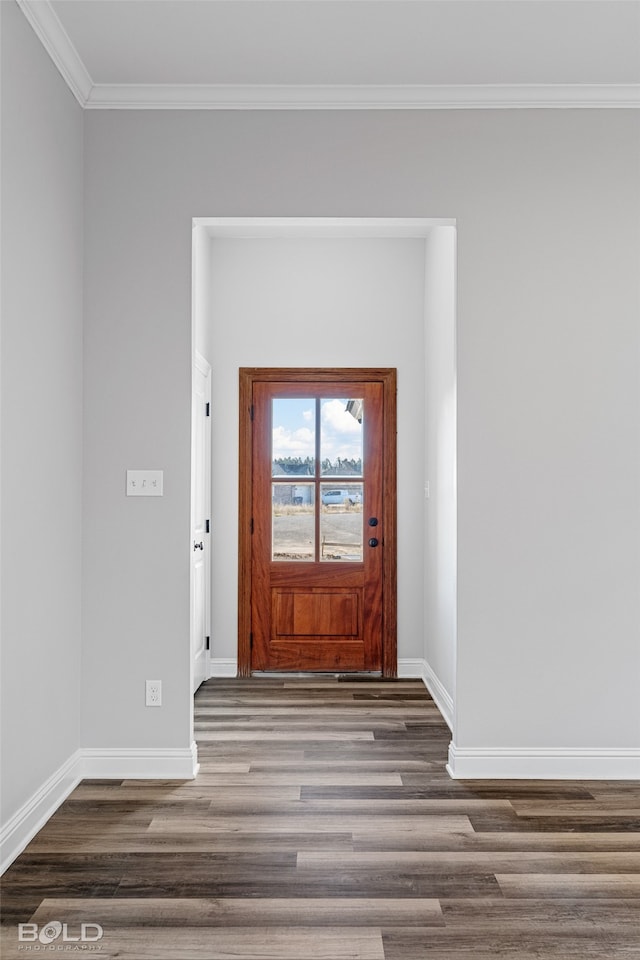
<point>373,521</point>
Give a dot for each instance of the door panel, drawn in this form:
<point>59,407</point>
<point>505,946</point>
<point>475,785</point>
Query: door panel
<point>318,507</point>
<point>315,614</point>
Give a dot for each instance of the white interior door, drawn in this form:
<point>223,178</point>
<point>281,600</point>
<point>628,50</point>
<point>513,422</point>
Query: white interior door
<point>200,519</point>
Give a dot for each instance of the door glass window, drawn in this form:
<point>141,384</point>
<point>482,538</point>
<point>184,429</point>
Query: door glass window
<point>317,516</point>
<point>341,438</point>
<point>341,522</point>
<point>293,521</point>
<point>294,437</point>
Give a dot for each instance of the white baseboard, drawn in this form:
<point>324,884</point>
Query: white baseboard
<point>40,806</point>
<point>100,763</point>
<point>441,696</point>
<point>219,667</point>
<point>408,669</point>
<point>545,763</point>
<point>145,763</point>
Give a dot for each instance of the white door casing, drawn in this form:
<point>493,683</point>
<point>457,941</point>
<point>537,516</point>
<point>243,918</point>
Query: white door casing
<point>200,518</point>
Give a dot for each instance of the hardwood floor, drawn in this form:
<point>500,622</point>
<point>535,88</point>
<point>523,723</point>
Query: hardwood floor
<point>323,825</point>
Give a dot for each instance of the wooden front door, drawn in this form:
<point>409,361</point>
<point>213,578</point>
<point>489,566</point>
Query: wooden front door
<point>317,524</point>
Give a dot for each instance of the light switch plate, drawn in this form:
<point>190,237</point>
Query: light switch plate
<point>145,483</point>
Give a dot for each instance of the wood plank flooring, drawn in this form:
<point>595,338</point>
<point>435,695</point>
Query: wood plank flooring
<point>323,826</point>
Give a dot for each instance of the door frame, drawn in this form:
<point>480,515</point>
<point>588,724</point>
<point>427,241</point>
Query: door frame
<point>201,365</point>
<point>388,377</point>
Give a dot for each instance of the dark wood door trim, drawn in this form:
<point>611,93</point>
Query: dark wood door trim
<point>388,377</point>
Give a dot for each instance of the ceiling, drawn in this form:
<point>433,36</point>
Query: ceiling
<point>344,53</point>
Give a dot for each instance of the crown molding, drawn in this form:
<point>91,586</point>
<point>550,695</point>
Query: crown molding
<point>113,96</point>
<point>359,97</point>
<point>56,42</point>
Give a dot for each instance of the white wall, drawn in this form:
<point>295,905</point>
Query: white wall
<point>549,438</point>
<point>41,414</point>
<point>439,532</point>
<point>548,370</point>
<point>326,303</point>
<point>137,406</point>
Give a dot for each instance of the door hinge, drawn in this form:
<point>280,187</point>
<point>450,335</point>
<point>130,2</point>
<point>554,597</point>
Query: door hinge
<point>251,525</point>
<point>207,641</point>
<point>207,408</point>
<point>250,641</point>
<point>252,411</point>
<point>207,526</point>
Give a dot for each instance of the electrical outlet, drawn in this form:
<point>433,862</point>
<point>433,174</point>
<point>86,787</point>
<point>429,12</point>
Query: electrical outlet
<point>153,693</point>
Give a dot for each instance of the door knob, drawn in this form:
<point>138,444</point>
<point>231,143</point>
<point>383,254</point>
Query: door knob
<point>373,542</point>
<point>198,546</point>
